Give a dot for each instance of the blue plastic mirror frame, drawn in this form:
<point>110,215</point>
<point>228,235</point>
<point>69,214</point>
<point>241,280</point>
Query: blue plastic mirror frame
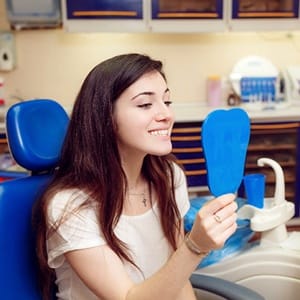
<point>225,138</point>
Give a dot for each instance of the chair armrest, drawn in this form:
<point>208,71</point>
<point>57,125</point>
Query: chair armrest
<point>224,288</point>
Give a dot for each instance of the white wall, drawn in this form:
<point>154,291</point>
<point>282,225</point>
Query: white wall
<point>53,63</point>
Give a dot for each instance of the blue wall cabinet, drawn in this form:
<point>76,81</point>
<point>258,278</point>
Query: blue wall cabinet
<point>104,15</point>
<point>264,15</point>
<point>180,16</point>
<point>187,16</point>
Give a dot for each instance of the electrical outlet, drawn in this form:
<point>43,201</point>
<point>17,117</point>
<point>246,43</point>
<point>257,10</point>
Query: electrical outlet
<point>7,51</point>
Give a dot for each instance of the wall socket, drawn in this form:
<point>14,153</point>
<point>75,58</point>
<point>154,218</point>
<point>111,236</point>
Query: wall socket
<point>7,51</point>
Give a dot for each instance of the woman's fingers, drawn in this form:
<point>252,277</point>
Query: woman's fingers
<point>215,222</point>
<point>225,212</point>
<point>223,228</point>
<point>218,203</point>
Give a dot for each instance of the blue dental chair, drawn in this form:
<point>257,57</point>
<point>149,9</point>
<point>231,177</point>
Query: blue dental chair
<point>35,132</point>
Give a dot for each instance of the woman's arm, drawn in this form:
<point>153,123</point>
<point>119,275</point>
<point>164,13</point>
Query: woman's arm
<point>103,271</point>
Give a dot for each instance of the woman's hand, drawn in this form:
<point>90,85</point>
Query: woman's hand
<point>215,223</point>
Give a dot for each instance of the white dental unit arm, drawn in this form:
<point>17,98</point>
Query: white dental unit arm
<point>271,219</point>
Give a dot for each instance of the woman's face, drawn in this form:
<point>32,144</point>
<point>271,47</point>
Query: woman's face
<point>144,118</point>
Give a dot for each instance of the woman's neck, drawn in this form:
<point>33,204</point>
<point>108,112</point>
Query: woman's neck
<point>132,166</point>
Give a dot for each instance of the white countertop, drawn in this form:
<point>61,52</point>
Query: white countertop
<point>193,111</point>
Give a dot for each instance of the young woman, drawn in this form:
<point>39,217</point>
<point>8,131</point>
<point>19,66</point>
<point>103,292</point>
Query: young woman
<point>111,221</point>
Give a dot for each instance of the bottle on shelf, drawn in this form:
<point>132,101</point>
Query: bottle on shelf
<point>214,90</point>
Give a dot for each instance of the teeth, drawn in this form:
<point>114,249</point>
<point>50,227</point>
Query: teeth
<point>159,132</point>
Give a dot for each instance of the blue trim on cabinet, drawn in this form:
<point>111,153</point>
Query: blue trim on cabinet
<point>156,11</point>
<point>235,12</point>
<point>93,6</point>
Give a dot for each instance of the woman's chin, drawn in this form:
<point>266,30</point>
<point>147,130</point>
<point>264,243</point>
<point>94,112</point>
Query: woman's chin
<point>161,151</point>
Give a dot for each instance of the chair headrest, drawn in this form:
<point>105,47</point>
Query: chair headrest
<point>35,131</point>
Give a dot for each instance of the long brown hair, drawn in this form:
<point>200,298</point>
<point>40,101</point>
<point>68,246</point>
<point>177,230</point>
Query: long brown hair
<point>90,160</point>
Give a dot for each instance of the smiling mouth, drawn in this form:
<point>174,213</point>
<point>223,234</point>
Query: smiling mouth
<point>163,132</point>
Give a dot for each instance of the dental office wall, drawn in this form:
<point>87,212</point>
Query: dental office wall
<point>53,63</point>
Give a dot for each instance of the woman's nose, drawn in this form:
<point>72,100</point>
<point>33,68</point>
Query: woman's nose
<point>164,113</point>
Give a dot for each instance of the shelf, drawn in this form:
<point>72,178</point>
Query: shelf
<point>270,147</point>
<point>283,165</point>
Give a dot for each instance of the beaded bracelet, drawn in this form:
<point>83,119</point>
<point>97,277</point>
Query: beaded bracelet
<point>193,247</point>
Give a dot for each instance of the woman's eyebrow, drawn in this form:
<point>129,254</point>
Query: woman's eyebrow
<point>142,93</point>
<point>148,93</point>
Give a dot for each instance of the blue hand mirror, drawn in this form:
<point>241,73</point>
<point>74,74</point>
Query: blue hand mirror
<point>225,138</point>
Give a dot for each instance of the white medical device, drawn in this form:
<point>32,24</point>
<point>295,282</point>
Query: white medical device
<point>291,76</point>
<point>256,81</point>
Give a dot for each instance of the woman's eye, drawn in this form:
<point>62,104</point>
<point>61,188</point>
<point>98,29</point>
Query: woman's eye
<point>168,103</point>
<point>145,105</point>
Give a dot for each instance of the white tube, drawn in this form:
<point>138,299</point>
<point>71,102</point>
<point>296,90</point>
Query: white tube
<point>279,195</point>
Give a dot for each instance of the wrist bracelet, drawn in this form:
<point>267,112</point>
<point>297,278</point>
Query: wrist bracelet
<point>193,247</point>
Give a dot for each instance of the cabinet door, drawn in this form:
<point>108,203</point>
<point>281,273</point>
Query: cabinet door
<point>264,15</point>
<point>187,16</point>
<point>192,9</point>
<point>106,15</point>
<point>277,141</point>
<point>187,147</point>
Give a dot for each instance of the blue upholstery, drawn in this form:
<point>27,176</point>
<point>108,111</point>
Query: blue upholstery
<point>17,259</point>
<point>35,131</point>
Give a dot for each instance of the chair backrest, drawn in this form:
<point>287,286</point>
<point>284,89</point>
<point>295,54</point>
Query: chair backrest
<point>35,131</point>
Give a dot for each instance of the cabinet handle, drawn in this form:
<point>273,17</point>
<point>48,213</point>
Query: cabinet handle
<point>195,172</point>
<point>187,150</point>
<point>187,130</point>
<point>191,161</point>
<point>185,138</point>
<point>276,126</point>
